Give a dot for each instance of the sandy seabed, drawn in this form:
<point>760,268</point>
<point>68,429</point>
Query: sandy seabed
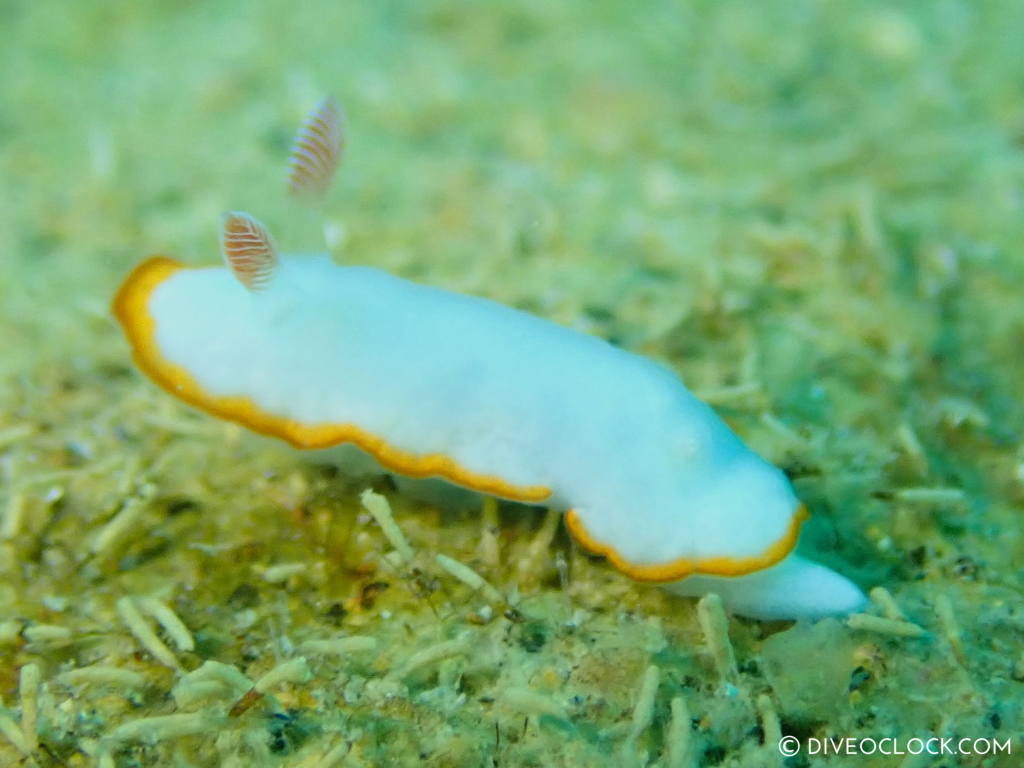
<point>812,211</point>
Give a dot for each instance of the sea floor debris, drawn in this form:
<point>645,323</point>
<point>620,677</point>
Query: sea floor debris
<point>816,221</point>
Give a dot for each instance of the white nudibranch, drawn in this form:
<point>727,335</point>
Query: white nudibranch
<point>438,384</point>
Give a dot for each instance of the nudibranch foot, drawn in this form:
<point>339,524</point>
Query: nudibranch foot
<point>795,588</point>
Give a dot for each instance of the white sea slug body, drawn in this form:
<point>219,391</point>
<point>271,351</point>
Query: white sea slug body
<point>434,383</point>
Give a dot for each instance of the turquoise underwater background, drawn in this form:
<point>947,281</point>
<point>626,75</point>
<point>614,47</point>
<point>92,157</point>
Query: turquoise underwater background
<point>813,211</point>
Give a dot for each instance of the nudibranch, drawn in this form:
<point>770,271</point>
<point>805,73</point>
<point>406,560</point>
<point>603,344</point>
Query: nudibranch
<point>433,383</point>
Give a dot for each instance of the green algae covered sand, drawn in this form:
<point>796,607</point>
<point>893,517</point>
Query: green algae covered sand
<point>812,211</point>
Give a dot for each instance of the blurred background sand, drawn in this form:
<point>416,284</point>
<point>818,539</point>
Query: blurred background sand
<point>811,210</point>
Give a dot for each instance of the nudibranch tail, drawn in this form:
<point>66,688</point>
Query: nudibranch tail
<point>248,249</point>
<point>793,588</point>
<point>316,151</point>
